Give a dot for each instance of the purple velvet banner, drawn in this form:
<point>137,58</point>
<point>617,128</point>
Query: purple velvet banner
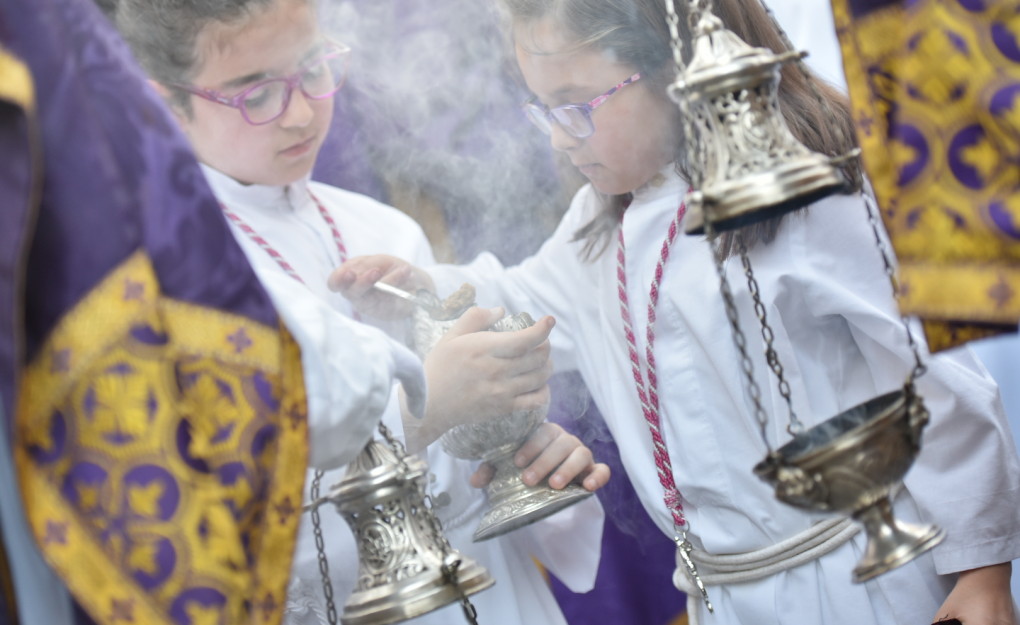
<point>116,180</point>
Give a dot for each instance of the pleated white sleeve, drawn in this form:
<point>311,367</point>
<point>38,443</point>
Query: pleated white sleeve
<point>349,370</point>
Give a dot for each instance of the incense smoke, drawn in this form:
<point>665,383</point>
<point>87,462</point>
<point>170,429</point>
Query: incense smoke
<point>432,105</point>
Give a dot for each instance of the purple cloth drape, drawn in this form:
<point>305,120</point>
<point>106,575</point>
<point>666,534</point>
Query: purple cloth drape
<point>103,174</point>
<point>118,177</point>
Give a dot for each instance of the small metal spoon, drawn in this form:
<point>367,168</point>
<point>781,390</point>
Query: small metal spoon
<point>392,290</point>
<point>424,300</point>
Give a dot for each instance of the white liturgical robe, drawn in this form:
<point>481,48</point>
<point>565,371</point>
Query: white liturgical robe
<point>567,543</point>
<point>840,341</point>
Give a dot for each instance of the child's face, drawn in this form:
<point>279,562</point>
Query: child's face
<point>636,130</point>
<point>273,42</point>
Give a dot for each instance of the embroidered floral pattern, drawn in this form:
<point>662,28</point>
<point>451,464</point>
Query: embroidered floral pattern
<point>935,88</point>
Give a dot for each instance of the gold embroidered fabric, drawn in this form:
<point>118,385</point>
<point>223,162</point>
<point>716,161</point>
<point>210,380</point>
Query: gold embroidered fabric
<point>161,449</point>
<point>935,89</point>
<point>16,82</point>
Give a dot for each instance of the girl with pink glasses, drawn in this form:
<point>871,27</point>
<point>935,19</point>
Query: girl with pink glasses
<point>640,316</point>
<point>251,83</point>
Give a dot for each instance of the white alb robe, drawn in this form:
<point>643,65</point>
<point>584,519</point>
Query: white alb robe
<point>567,543</point>
<point>840,341</point>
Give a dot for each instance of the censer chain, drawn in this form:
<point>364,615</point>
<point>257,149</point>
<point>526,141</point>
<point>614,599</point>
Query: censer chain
<point>695,10</point>
<point>691,136</point>
<point>890,272</point>
<point>673,20</point>
<point>919,368</point>
<point>449,565</point>
<point>795,426</point>
<point>739,340</point>
<point>320,547</point>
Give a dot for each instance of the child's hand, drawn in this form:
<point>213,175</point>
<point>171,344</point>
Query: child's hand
<point>552,450</point>
<point>475,375</point>
<point>354,280</point>
<point>982,596</point>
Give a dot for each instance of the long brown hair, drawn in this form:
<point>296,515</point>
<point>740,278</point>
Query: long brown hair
<point>637,33</point>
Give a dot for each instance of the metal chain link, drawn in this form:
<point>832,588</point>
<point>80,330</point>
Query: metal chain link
<point>673,20</point>
<point>449,565</point>
<point>919,367</point>
<point>739,340</point>
<point>801,65</point>
<point>695,9</point>
<point>320,547</point>
<point>795,426</point>
<point>395,446</point>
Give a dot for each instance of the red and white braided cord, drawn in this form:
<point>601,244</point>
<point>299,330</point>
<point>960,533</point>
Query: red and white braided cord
<point>648,393</point>
<point>277,256</point>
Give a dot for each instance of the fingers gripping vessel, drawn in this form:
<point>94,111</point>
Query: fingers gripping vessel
<point>512,504</point>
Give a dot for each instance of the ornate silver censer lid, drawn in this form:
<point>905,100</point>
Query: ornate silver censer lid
<point>748,164</point>
<point>406,567</point>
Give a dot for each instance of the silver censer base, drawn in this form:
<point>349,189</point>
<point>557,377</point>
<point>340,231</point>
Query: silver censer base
<point>853,463</point>
<point>512,504</point>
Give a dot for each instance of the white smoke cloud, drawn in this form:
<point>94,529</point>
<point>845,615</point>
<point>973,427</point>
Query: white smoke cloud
<point>432,87</point>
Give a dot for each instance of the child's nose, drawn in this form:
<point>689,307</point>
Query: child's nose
<point>561,140</point>
<point>299,111</point>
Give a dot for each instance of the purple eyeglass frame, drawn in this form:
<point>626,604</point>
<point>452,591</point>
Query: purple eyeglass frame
<point>586,108</point>
<point>333,49</point>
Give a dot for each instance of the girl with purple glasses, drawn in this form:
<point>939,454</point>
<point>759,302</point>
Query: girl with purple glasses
<point>640,316</point>
<point>252,84</point>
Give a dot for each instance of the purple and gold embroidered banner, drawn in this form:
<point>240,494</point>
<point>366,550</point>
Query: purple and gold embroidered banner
<point>935,87</point>
<point>155,402</point>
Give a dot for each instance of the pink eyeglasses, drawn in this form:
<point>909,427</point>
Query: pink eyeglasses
<point>267,99</point>
<point>574,119</point>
